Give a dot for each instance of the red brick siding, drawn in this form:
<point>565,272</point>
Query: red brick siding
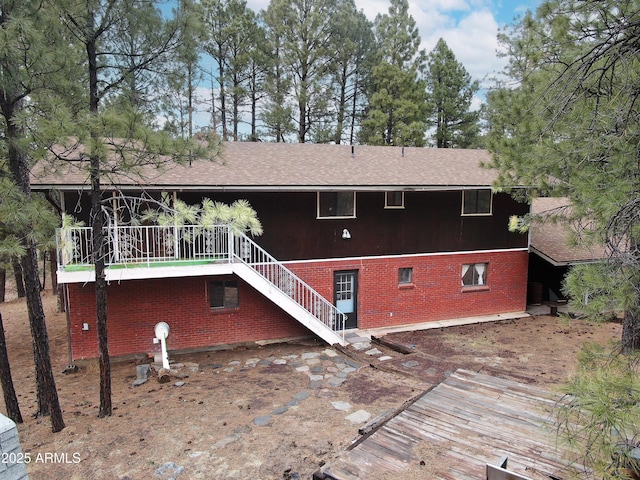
<point>436,294</point>
<point>135,306</point>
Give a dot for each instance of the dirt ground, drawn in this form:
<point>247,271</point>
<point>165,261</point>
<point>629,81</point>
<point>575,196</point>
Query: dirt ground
<point>206,427</point>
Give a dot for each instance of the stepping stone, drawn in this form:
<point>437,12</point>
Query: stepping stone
<point>179,384</point>
<point>264,363</point>
<point>342,375</point>
<point>252,362</point>
<point>332,370</point>
<point>359,417</point>
<point>349,370</point>
<point>353,364</point>
<point>373,351</point>
<point>309,355</point>
<point>290,357</point>
<point>262,421</point>
<point>139,381</point>
<point>279,410</point>
<point>302,395</point>
<point>226,441</point>
<point>315,384</point>
<point>279,361</point>
<point>304,368</point>
<point>316,378</point>
<point>330,353</point>
<point>317,369</point>
<point>384,358</point>
<point>410,364</point>
<point>340,405</point>
<point>361,345</point>
<point>312,361</point>
<point>143,371</point>
<point>335,381</point>
<point>228,369</point>
<point>235,362</point>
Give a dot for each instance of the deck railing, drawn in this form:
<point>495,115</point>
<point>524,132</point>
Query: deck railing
<point>144,245</point>
<point>176,245</point>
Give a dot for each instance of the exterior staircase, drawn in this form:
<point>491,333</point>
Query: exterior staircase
<point>264,273</point>
<point>192,250</point>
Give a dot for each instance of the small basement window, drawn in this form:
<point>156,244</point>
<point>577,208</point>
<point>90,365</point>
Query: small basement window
<point>223,294</point>
<point>476,202</point>
<point>336,204</point>
<point>405,276</point>
<point>474,275</point>
<point>393,199</point>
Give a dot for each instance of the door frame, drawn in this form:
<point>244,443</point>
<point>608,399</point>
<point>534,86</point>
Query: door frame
<point>352,317</point>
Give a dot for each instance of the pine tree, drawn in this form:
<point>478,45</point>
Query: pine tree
<point>396,91</point>
<point>566,124</point>
<point>117,140</point>
<point>33,64</point>
<point>450,93</point>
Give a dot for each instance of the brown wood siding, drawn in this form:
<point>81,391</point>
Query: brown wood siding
<point>430,222</point>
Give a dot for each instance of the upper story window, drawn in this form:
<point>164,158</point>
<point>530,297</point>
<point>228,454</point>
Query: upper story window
<point>393,199</point>
<point>476,202</point>
<point>336,204</point>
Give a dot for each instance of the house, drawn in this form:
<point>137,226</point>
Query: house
<point>372,236</point>
<point>551,251</point>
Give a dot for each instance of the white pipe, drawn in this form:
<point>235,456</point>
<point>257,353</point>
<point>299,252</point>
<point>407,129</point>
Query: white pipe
<point>165,355</point>
<point>162,332</point>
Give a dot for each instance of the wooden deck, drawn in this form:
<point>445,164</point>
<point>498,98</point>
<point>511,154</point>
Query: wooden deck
<point>455,429</point>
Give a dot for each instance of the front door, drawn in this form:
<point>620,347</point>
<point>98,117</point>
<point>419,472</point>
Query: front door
<point>346,295</point>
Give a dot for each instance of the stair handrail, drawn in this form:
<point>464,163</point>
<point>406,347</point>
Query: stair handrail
<point>268,267</point>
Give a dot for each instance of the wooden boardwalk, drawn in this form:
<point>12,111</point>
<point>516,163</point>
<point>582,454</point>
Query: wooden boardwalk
<point>455,429</point>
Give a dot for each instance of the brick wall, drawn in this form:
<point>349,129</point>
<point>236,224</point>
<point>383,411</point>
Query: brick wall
<point>435,294</point>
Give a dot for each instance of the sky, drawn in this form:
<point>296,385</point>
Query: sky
<point>469,27</point>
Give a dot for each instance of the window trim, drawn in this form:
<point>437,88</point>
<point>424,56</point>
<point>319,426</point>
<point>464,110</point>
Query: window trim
<point>392,207</point>
<point>478,214</point>
<point>319,216</point>
<point>226,283</point>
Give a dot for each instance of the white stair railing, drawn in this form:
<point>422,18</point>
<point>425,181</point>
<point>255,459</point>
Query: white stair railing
<point>279,276</point>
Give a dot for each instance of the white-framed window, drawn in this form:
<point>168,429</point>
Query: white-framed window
<point>394,199</point>
<point>223,294</point>
<point>336,204</point>
<point>405,276</point>
<point>474,274</point>
<point>477,202</point>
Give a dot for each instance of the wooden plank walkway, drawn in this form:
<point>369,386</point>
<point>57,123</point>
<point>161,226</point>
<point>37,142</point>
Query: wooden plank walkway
<point>455,429</point>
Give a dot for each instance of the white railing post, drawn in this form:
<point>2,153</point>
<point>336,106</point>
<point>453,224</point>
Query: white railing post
<point>230,244</point>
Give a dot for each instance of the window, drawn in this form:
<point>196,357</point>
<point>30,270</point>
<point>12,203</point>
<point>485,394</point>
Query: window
<point>336,204</point>
<point>476,202</point>
<point>405,276</point>
<point>474,275</point>
<point>393,199</point>
<point>223,294</point>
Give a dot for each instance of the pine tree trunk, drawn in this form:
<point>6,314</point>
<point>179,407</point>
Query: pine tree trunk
<point>101,300</point>
<point>631,331</point>
<point>47,392</point>
<point>17,271</point>
<point>3,285</point>
<point>10,398</point>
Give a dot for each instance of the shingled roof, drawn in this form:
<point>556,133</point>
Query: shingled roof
<point>550,240</point>
<point>286,166</point>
